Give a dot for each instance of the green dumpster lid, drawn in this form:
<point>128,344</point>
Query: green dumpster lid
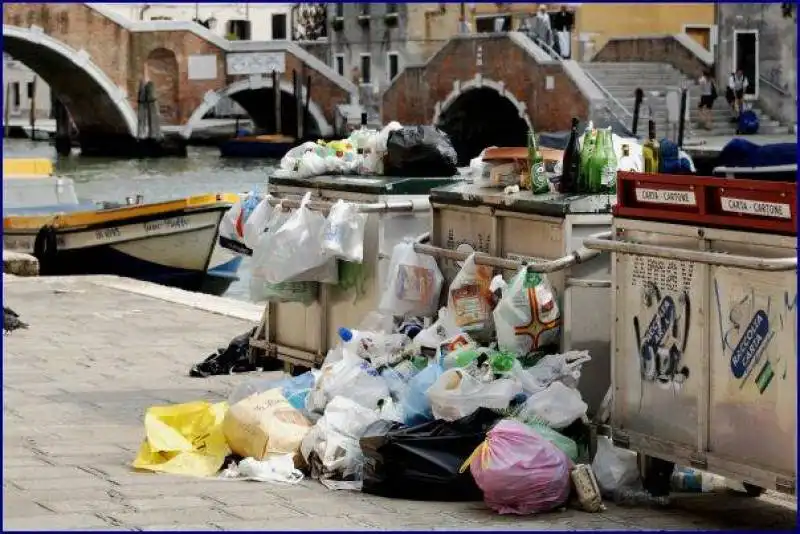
<point>550,204</point>
<point>376,185</point>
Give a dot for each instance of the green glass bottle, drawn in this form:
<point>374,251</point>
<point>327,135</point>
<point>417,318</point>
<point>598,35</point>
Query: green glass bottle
<point>587,150</point>
<point>596,163</point>
<point>539,182</point>
<point>608,173</point>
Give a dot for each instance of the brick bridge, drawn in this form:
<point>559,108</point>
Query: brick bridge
<point>94,61</point>
<point>489,89</point>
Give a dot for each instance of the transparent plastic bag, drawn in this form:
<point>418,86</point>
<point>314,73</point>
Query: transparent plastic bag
<point>469,298</point>
<point>527,316</point>
<point>415,403</point>
<point>295,248</point>
<point>343,233</point>
<point>456,394</point>
<point>557,405</point>
<point>414,283</point>
<point>615,469</point>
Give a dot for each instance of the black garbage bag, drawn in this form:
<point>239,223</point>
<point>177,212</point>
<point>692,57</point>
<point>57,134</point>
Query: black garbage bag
<point>420,151</point>
<point>232,359</point>
<point>422,462</point>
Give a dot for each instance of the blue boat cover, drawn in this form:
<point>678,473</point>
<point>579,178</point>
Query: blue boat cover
<point>743,153</point>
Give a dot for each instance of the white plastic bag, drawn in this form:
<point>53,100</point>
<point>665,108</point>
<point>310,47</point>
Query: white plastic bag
<point>260,288</point>
<point>343,234</point>
<point>352,378</point>
<point>291,160</point>
<point>527,316</point>
<point>565,368</point>
<point>614,468</point>
<point>557,405</point>
<point>296,247</point>
<point>443,329</point>
<point>456,394</point>
<point>258,223</point>
<point>278,469</point>
<point>334,440</point>
<point>469,299</point>
<point>414,283</point>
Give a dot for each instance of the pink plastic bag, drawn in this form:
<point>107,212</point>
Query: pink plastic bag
<point>518,471</point>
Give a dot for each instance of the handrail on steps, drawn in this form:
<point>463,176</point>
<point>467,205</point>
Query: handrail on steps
<point>605,242</point>
<point>609,96</point>
<point>772,85</point>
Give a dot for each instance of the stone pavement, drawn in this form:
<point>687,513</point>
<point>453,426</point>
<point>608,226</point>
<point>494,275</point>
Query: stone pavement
<point>75,388</point>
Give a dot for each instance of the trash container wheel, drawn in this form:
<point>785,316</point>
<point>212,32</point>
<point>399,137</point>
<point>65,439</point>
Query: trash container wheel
<point>752,491</point>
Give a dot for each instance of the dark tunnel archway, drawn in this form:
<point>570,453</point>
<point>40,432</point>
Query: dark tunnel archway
<point>479,118</point>
<point>259,106</point>
<point>96,105</point>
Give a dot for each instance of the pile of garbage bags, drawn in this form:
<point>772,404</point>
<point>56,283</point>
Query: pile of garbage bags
<point>466,402</point>
<point>396,150</point>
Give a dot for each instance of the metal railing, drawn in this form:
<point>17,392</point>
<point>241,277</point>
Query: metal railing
<point>628,115</point>
<point>773,86</point>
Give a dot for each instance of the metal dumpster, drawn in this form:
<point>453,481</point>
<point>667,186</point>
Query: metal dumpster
<point>705,332</point>
<point>398,208</point>
<point>533,228</point>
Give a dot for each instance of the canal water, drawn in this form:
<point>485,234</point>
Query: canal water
<point>203,171</point>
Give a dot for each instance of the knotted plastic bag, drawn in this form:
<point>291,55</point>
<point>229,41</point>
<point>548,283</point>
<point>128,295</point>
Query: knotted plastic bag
<point>184,439</point>
<point>519,471</point>
<point>469,298</point>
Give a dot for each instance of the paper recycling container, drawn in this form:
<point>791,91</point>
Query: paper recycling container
<point>302,335</point>
<point>534,228</point>
<point>705,331</point>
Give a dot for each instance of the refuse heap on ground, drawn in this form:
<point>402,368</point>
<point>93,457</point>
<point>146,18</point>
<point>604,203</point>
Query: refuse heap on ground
<point>467,401</point>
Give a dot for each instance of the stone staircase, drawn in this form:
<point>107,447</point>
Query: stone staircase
<point>622,79</point>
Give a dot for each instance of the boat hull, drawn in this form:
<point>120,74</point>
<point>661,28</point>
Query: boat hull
<point>172,249</point>
<point>235,148</point>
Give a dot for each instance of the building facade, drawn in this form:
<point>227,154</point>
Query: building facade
<point>761,40</point>
<point>235,21</point>
<point>19,85</point>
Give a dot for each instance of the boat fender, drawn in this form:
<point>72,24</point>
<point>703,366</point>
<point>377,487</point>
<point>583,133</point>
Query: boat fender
<point>45,248</point>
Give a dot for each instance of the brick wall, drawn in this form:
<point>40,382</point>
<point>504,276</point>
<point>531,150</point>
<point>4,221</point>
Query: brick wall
<point>659,49</point>
<point>413,96</point>
<point>71,24</point>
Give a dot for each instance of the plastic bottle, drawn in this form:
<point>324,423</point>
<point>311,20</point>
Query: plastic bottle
<point>691,480</point>
<point>355,343</point>
<point>626,162</point>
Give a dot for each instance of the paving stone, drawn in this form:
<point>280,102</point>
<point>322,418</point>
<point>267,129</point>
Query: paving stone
<point>52,521</point>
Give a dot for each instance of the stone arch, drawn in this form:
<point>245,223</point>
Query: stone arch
<point>481,113</point>
<point>479,82</point>
<point>96,104</point>
<point>161,68</point>
<point>212,97</point>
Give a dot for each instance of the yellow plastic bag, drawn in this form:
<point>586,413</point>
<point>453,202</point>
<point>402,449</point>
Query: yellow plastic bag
<point>184,439</point>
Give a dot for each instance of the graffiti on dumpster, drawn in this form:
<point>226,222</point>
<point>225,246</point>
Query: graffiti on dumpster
<point>662,344</point>
<point>746,332</point>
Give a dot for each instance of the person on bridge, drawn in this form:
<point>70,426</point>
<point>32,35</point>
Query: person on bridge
<point>737,85</point>
<point>539,28</point>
